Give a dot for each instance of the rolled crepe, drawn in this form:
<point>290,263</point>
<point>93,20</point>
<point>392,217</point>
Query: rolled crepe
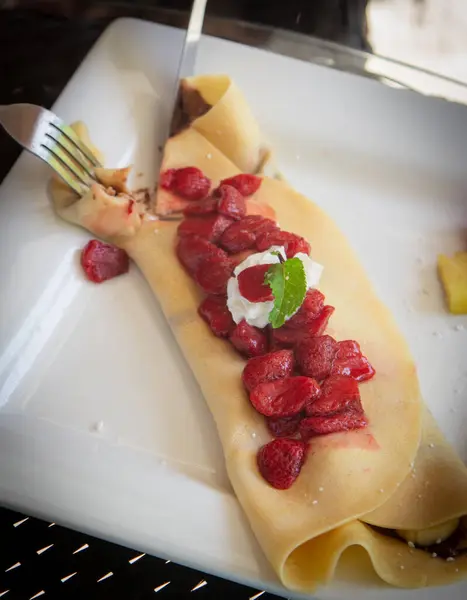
<point>355,487</point>
<point>229,123</point>
<point>213,106</point>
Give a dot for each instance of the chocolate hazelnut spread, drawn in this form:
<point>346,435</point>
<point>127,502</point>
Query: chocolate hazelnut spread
<point>189,106</point>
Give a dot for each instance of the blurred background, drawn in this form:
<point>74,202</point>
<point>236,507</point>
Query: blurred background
<point>432,32</point>
<point>427,33</point>
<point>44,41</point>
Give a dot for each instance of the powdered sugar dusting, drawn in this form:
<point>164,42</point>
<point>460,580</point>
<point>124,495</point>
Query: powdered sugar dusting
<point>97,427</point>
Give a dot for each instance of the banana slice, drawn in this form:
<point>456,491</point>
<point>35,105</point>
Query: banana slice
<point>430,536</point>
<point>453,275</point>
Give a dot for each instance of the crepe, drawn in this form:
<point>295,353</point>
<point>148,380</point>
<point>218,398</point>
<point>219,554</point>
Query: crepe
<point>229,124</point>
<point>398,473</point>
<point>215,108</point>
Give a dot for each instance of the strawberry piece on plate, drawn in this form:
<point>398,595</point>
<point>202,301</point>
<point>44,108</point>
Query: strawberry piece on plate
<point>102,261</point>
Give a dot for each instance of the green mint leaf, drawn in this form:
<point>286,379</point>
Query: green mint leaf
<point>287,281</point>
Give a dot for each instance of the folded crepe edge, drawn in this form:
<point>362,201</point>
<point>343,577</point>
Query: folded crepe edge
<point>355,533</point>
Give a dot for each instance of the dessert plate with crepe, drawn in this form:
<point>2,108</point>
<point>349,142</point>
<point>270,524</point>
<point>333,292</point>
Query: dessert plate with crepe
<point>372,501</point>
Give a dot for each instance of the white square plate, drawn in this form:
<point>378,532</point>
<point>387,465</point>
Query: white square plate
<point>389,166</point>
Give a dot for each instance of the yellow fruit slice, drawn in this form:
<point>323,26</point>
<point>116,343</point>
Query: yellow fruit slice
<point>431,535</point>
<point>453,274</point>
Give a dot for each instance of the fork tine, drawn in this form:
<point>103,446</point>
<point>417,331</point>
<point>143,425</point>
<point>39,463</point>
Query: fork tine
<point>62,170</point>
<point>71,136</point>
<point>74,152</point>
<point>62,154</point>
<point>42,133</point>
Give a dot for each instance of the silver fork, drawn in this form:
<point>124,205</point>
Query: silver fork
<point>43,134</point>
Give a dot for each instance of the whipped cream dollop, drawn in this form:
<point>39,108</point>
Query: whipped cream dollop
<point>257,313</point>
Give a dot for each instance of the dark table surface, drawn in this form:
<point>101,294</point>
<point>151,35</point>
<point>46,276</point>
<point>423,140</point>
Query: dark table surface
<point>42,44</point>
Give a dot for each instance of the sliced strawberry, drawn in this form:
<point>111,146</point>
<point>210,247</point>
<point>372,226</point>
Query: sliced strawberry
<point>249,340</point>
<point>286,337</point>
<point>281,461</point>
<point>315,355</point>
<point>230,202</point>
<point>213,274</point>
<point>166,179</point>
<point>192,250</point>
<point>241,235</point>
<point>190,183</point>
<point>317,327</point>
<point>251,284</point>
<point>264,225</point>
<point>209,227</point>
<point>284,426</point>
<point>102,261</point>
<point>289,337</point>
<point>237,241</point>
<point>284,397</point>
<point>337,393</point>
<point>357,367</point>
<point>292,243</point>
<point>202,207</point>
<point>310,309</point>
<point>343,421</point>
<point>215,312</point>
<point>349,361</point>
<point>246,184</point>
<point>271,366</point>
<point>348,348</point>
